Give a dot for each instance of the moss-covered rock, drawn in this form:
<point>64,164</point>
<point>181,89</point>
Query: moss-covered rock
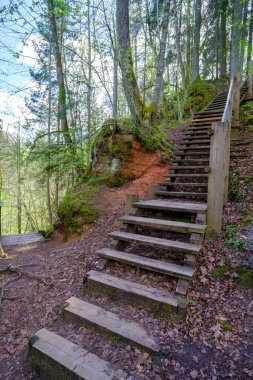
<point>200,93</point>
<point>76,209</point>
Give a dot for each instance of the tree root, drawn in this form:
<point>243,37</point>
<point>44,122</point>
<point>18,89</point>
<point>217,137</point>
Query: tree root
<point>20,272</point>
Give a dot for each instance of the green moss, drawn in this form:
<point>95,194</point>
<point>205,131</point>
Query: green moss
<point>200,93</point>
<point>115,339</point>
<point>247,220</point>
<point>247,179</point>
<point>221,272</point>
<point>225,325</point>
<point>234,186</point>
<point>246,114</point>
<point>76,209</point>
<point>245,278</point>
<point>49,232</point>
<point>117,180</point>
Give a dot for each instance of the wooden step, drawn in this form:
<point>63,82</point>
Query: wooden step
<point>218,110</point>
<point>189,167</point>
<point>86,313</point>
<point>131,292</point>
<point>212,119</point>
<point>196,208</point>
<point>200,147</point>
<point>177,194</point>
<point>193,140</point>
<point>187,175</point>
<point>57,358</point>
<point>170,269</point>
<point>191,160</point>
<point>201,153</point>
<point>164,225</point>
<point>175,246</point>
<point>183,184</point>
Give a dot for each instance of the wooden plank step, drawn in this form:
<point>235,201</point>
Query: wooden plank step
<point>192,160</point>
<point>197,184</point>
<point>205,119</point>
<point>193,140</point>
<point>176,246</point>
<point>201,153</point>
<point>187,175</point>
<point>164,225</point>
<point>57,358</point>
<point>200,147</point>
<point>170,269</point>
<point>180,194</point>
<point>189,167</point>
<point>196,208</point>
<point>131,292</point>
<point>87,313</point>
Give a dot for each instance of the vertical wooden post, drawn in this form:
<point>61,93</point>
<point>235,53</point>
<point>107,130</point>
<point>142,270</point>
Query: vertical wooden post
<point>130,199</point>
<point>236,105</point>
<point>250,80</point>
<point>152,191</point>
<point>216,180</point>
<point>227,146</point>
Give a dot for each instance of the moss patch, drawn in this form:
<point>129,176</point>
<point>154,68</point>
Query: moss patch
<point>246,115</point>
<point>200,93</point>
<point>221,272</point>
<point>226,326</point>
<point>245,278</point>
<point>76,209</point>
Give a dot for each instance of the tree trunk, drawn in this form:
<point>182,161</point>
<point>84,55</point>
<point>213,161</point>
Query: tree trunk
<point>249,52</point>
<point>130,85</point>
<point>195,55</point>
<point>243,34</point>
<point>179,54</point>
<point>223,39</point>
<point>60,76</point>
<point>161,59</point>
<point>188,43</point>
<point>235,38</point>
<point>115,87</point>
<point>49,208</point>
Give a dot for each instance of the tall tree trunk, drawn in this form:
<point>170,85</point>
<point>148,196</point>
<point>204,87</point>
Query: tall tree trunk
<point>179,53</point>
<point>19,198</point>
<point>60,75</point>
<point>115,87</point>
<point>49,208</point>
<point>235,38</point>
<point>89,93</point>
<point>223,39</point>
<point>249,52</point>
<point>195,55</point>
<point>188,43</point>
<point>161,59</point>
<point>244,31</point>
<point>130,85</point>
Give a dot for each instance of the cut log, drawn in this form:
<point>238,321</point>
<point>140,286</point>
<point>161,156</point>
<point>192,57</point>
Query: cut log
<point>170,269</point>
<point>86,313</point>
<point>164,225</point>
<point>57,358</point>
<point>175,246</point>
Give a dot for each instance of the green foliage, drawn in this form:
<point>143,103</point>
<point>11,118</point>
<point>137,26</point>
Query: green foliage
<point>246,115</point>
<point>221,272</point>
<point>235,244</point>
<point>76,209</point>
<point>247,220</point>
<point>200,93</point>
<point>225,325</point>
<point>49,232</point>
<point>230,230</point>
<point>245,278</point>
<point>247,179</point>
<point>117,180</point>
<point>234,186</point>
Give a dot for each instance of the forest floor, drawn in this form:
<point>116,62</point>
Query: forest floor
<point>215,342</point>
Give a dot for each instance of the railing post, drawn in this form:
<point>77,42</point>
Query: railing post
<point>218,178</point>
<point>236,106</point>
<point>250,80</point>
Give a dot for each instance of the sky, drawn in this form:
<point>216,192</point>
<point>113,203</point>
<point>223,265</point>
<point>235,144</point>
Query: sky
<point>15,80</point>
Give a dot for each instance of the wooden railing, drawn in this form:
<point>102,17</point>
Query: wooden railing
<point>222,132</point>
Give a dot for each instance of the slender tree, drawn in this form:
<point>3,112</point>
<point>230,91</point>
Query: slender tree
<point>196,44</point>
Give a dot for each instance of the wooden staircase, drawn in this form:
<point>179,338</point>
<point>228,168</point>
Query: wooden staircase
<point>161,235</point>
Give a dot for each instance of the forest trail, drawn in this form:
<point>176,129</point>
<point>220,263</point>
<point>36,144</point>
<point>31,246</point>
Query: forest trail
<point>171,226</point>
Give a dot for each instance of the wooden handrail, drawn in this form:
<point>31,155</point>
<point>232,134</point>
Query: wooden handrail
<point>228,107</point>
